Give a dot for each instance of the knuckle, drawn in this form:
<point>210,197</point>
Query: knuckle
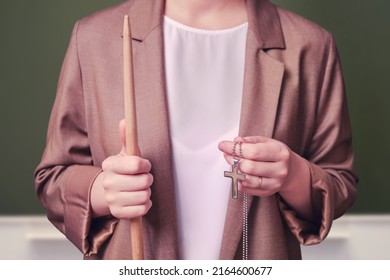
<point>149,165</point>
<point>150,179</point>
<point>145,208</point>
<point>249,167</point>
<point>257,151</point>
<point>141,182</point>
<point>117,212</point>
<point>110,199</point>
<point>123,213</point>
<point>245,183</point>
<point>149,193</point>
<point>146,180</point>
<point>135,164</point>
<point>284,154</point>
<point>145,196</point>
<point>283,173</point>
<point>107,163</point>
<point>107,182</point>
<point>278,185</point>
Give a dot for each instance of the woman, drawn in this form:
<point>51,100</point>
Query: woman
<point>205,71</point>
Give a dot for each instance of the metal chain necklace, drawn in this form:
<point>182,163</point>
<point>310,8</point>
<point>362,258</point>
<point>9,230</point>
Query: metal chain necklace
<point>245,227</point>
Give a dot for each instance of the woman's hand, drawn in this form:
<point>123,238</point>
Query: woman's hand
<point>271,167</point>
<point>265,162</point>
<point>123,188</point>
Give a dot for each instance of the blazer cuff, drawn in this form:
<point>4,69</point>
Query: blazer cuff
<point>86,234</point>
<point>312,232</point>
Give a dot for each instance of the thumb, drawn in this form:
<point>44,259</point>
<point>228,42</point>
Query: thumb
<point>133,149</point>
<point>253,139</point>
<point>122,135</point>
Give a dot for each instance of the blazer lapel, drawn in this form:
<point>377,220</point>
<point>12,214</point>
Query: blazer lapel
<point>160,223</point>
<point>262,84</point>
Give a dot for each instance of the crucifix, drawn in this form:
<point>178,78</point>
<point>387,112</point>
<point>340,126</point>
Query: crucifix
<point>235,176</point>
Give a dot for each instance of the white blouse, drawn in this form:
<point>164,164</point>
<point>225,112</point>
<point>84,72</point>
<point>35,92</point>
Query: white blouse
<point>204,73</point>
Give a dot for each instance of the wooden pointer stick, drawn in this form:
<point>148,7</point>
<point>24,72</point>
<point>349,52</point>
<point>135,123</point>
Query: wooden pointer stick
<point>131,131</point>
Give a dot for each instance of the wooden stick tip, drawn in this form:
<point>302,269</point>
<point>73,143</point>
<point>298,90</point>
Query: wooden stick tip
<point>126,26</point>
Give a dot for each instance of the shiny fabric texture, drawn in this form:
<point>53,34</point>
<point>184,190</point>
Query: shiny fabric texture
<point>293,92</point>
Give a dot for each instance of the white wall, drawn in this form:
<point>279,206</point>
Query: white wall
<point>352,237</point>
<point>33,238</point>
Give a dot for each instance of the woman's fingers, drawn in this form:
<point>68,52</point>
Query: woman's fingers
<point>127,196</point>
<point>126,165</point>
<point>268,150</point>
<point>129,183</point>
<point>129,212</point>
<point>126,182</point>
<point>259,183</point>
<point>125,199</point>
<point>257,168</point>
<point>264,161</point>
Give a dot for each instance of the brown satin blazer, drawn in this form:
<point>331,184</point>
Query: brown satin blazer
<point>293,91</point>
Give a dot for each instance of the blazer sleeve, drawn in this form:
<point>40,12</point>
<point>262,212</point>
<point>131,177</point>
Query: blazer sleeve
<point>330,158</point>
<point>65,174</point>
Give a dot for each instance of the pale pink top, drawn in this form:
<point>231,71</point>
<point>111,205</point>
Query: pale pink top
<point>204,73</point>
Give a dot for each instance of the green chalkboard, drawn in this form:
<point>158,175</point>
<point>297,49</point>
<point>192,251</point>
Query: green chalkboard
<point>34,38</point>
<point>362,32</point>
